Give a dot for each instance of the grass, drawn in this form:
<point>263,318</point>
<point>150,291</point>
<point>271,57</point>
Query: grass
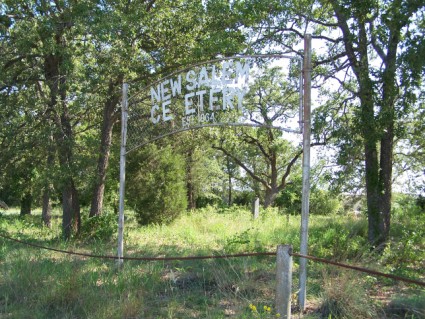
<point>35,283</point>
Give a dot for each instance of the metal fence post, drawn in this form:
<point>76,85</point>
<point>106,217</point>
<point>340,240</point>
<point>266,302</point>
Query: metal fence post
<point>306,171</point>
<point>283,280</point>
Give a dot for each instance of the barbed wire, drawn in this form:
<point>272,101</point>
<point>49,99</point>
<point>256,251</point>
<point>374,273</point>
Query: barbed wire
<point>361,269</point>
<point>69,252</point>
<point>223,256</point>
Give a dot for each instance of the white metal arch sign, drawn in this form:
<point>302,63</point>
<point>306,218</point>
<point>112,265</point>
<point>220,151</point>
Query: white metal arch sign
<point>258,90</point>
<point>215,93</point>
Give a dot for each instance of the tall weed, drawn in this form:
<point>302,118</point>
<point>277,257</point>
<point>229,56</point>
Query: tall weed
<point>39,284</point>
<point>344,296</point>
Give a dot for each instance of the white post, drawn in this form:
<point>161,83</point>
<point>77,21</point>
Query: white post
<point>124,116</point>
<point>283,280</point>
<point>306,171</point>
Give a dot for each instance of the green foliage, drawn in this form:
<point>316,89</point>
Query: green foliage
<point>244,198</point>
<point>322,202</point>
<point>156,185</point>
<point>242,239</point>
<point>289,199</point>
<point>92,49</point>
<point>343,296</point>
<point>406,247</point>
<point>267,158</point>
<point>347,240</point>
<point>44,284</point>
<point>102,227</point>
<point>208,200</point>
<point>204,175</point>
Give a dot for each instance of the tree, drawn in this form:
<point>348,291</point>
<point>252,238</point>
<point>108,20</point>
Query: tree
<point>267,158</point>
<point>369,44</point>
<point>156,184</point>
<point>409,152</point>
<point>42,49</point>
<point>167,36</point>
<point>204,174</point>
<point>72,57</point>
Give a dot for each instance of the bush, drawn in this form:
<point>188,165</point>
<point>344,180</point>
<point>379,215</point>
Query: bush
<point>208,200</point>
<point>322,202</point>
<point>100,227</point>
<point>157,186</point>
<point>289,199</point>
<point>244,198</point>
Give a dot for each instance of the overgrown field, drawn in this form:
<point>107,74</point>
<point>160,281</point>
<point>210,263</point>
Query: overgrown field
<point>36,283</point>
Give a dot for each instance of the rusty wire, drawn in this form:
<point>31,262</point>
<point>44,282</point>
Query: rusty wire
<point>224,256</point>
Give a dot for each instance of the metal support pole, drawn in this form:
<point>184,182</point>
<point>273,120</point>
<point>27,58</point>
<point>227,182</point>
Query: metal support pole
<point>124,116</point>
<point>283,280</point>
<point>306,170</point>
<point>300,88</point>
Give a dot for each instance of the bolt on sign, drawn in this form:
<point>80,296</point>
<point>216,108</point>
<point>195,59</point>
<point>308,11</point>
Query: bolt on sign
<point>219,92</point>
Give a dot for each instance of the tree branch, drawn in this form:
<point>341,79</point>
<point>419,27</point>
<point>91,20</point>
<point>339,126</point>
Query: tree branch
<point>347,36</point>
<point>244,167</point>
<point>375,43</point>
<point>253,141</point>
<point>149,5</point>
<point>291,164</point>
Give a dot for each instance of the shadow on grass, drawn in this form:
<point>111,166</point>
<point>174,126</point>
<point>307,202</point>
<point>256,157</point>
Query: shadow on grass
<point>34,286</point>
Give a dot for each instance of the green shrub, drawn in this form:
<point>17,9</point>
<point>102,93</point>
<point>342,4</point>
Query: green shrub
<point>404,253</point>
<point>208,200</point>
<point>244,198</point>
<point>101,227</point>
<point>324,203</point>
<point>289,200</point>
<point>157,187</point>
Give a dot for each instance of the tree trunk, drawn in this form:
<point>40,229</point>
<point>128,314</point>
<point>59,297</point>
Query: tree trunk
<point>189,184</point>
<point>273,190</point>
<point>71,218</point>
<point>270,197</point>
<point>75,209</point>
<point>190,195</point>
<point>370,138</point>
<point>385,185</point>
<point>60,117</point>
<point>372,196</point>
<point>110,116</point>
<point>26,202</point>
<point>102,166</point>
<point>63,137</point>
<point>67,211</point>
<point>389,97</point>
<point>46,212</point>
<point>381,96</point>
<point>229,175</point>
<point>368,124</point>
<point>70,204</point>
